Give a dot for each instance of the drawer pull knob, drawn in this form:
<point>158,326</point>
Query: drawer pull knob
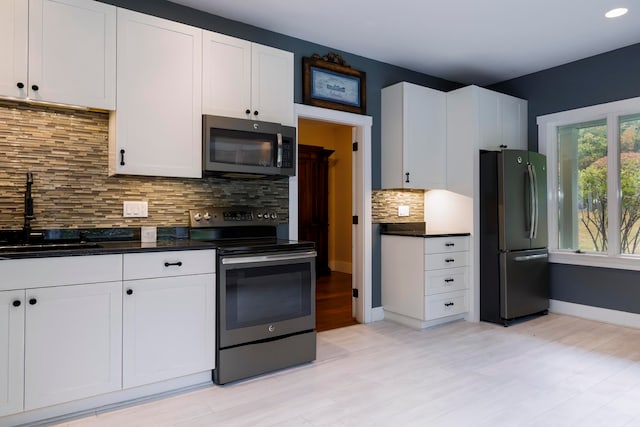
<point>33,301</point>
<point>17,303</point>
<point>169,264</point>
<point>449,245</point>
<point>449,260</point>
<point>448,304</point>
<point>448,280</point>
<point>129,291</point>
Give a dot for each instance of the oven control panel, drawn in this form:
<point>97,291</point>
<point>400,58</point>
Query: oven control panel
<point>210,216</point>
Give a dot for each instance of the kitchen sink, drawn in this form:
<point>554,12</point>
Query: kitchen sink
<point>39,247</point>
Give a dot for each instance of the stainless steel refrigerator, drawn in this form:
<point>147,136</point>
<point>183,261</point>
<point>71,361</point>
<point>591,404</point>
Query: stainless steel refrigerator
<point>514,273</point>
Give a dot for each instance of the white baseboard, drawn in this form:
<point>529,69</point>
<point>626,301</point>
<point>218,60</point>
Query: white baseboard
<point>377,314</point>
<point>606,315</point>
<point>417,323</point>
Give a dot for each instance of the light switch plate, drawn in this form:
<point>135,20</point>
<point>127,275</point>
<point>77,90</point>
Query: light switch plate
<point>135,210</point>
<point>403,210</point>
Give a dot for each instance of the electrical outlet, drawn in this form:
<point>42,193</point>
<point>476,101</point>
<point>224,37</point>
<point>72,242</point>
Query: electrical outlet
<point>403,210</point>
<point>135,210</point>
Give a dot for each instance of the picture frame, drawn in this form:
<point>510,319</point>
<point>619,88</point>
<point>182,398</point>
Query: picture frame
<point>328,82</point>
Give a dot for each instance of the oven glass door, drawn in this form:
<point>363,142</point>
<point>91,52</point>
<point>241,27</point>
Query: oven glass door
<point>265,296</point>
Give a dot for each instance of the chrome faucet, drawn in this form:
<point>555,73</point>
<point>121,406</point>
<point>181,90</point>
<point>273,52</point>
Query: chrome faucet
<point>28,209</point>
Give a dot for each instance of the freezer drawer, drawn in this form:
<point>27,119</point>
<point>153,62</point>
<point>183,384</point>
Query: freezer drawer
<point>524,283</point>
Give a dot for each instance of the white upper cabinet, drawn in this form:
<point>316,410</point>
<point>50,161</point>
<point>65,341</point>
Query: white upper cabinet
<point>158,122</point>
<point>60,51</point>
<point>413,137</point>
<point>480,119</point>
<point>14,48</point>
<point>246,80</point>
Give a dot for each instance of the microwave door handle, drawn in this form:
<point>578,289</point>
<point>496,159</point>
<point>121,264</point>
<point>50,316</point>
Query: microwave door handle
<point>279,159</point>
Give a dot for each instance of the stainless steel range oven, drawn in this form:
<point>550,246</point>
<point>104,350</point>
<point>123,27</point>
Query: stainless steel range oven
<point>265,293</point>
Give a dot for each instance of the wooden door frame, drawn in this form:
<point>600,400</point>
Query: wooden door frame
<point>362,182</point>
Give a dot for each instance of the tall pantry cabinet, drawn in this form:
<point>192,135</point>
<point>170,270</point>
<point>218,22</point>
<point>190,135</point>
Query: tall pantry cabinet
<point>479,119</point>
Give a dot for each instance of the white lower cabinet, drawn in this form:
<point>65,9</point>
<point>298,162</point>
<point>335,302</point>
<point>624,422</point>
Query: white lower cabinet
<point>71,329</point>
<point>12,309</point>
<point>60,330</point>
<point>169,316</point>
<point>73,342</point>
<point>425,280</point>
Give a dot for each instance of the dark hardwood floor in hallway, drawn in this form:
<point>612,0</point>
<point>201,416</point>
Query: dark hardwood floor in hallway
<point>333,301</point>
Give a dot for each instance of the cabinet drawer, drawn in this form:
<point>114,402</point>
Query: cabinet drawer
<point>439,281</point>
<point>447,304</point>
<point>435,245</point>
<point>166,264</point>
<point>57,271</point>
<point>447,260</point>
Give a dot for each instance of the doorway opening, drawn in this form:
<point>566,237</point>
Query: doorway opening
<point>360,207</point>
<point>325,196</point>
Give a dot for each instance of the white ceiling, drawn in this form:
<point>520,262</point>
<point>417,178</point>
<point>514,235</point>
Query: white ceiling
<point>467,41</point>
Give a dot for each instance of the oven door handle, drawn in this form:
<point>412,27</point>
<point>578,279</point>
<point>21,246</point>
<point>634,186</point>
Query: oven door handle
<point>267,258</point>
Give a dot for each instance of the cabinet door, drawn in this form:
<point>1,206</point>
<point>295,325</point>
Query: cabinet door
<point>11,351</point>
<point>158,122</point>
<point>73,345</point>
<point>272,84</point>
<point>414,128</point>
<point>424,122</point>
<point>72,52</point>
<point>403,275</point>
<point>226,76</point>
<point>513,122</point>
<point>14,15</point>
<point>168,329</point>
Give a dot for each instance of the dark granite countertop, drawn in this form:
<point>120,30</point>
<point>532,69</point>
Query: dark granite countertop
<point>416,229</point>
<point>100,242</point>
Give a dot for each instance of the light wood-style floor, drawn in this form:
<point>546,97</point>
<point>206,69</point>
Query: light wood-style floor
<point>550,371</point>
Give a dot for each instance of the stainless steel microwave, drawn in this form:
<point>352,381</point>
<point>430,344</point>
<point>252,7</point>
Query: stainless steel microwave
<point>241,147</point>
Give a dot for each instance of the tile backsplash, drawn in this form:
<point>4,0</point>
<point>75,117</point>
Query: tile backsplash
<point>67,151</point>
<point>384,205</point>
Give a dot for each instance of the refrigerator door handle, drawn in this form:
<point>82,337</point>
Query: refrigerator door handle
<point>532,201</point>
<point>530,257</point>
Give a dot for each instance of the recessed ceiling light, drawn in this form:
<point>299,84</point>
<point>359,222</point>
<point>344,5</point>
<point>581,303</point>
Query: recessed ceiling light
<point>614,13</point>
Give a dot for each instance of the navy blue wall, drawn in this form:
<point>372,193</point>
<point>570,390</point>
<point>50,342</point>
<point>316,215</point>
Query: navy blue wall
<point>378,75</point>
<point>611,76</point>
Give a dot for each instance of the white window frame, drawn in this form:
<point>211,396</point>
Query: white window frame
<point>548,145</point>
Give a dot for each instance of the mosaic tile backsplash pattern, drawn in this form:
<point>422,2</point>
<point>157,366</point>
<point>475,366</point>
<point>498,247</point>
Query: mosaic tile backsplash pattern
<point>67,152</point>
<point>384,205</point>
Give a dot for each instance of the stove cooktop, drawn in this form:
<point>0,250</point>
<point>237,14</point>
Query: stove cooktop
<point>240,231</point>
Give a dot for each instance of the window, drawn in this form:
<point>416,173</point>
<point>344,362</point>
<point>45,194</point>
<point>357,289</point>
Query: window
<point>593,157</point>
<point>630,184</point>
